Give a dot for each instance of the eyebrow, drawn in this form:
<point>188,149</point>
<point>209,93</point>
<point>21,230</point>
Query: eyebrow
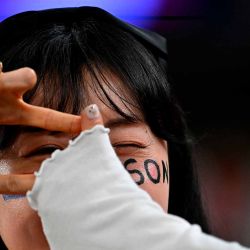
<point>117,122</point>
<point>112,123</point>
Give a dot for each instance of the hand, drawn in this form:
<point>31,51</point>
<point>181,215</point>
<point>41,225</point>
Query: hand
<point>14,111</point>
<point>20,184</point>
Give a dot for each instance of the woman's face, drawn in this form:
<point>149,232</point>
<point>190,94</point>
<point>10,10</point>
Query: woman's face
<point>142,153</point>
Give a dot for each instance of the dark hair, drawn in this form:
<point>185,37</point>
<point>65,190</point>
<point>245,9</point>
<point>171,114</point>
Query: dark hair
<point>60,51</point>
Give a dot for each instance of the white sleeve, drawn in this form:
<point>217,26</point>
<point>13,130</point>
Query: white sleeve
<point>87,200</point>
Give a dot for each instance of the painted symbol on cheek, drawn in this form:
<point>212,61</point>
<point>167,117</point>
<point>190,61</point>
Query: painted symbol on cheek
<point>134,171</point>
<point>165,171</point>
<point>7,197</point>
<point>152,170</point>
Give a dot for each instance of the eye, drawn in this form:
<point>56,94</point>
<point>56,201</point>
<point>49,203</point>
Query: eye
<point>44,150</point>
<point>128,148</point>
<point>124,145</point>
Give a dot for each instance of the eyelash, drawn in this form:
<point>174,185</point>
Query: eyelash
<point>48,149</point>
<point>51,148</point>
<point>123,145</point>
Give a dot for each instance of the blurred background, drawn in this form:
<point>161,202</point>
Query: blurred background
<point>209,59</point>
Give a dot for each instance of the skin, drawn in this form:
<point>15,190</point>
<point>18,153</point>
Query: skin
<point>20,226</point>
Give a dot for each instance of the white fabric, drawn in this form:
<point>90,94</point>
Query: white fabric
<point>87,200</point>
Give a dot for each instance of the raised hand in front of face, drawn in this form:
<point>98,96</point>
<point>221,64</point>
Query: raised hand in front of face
<point>14,111</point>
<point>20,184</point>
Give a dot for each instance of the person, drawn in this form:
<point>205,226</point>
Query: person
<point>82,56</point>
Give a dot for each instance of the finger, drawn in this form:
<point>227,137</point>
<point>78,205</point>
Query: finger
<point>90,117</point>
<point>16,184</point>
<point>1,67</point>
<point>18,81</point>
<point>50,119</point>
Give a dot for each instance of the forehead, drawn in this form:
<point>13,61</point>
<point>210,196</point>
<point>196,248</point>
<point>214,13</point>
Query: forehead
<point>111,90</point>
<point>103,88</point>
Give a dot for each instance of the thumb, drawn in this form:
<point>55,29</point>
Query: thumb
<point>90,117</point>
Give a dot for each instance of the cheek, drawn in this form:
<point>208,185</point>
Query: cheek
<point>20,225</point>
<point>159,193</point>
<point>152,176</point>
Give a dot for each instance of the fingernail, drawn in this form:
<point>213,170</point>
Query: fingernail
<point>92,111</point>
<point>1,67</point>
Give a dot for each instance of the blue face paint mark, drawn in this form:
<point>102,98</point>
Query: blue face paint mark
<point>7,197</point>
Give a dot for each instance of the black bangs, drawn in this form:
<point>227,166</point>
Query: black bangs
<point>62,55</point>
<point>52,53</point>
